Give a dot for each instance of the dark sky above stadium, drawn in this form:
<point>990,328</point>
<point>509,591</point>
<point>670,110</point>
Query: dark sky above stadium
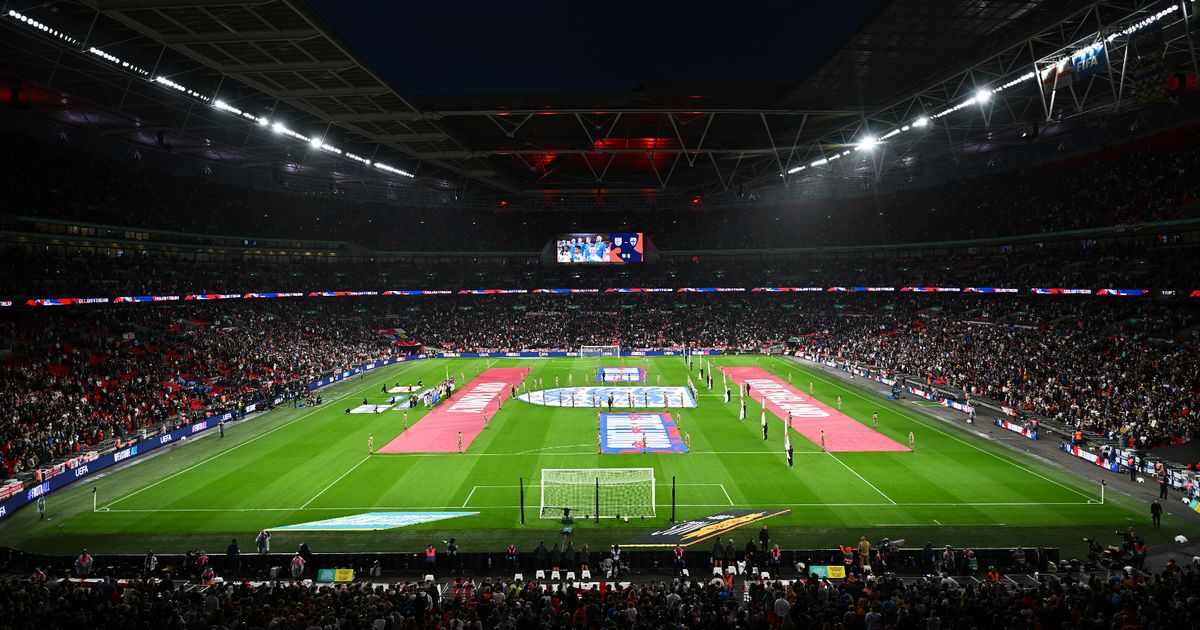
<point>548,46</point>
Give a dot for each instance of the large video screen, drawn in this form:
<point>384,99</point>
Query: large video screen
<point>612,248</point>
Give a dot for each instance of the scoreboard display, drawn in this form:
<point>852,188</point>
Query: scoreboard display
<point>599,248</point>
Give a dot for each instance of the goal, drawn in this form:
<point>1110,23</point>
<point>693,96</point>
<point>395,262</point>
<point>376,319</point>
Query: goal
<point>595,352</point>
<point>603,492</point>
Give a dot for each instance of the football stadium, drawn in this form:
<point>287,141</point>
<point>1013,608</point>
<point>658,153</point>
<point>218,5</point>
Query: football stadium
<point>881,314</point>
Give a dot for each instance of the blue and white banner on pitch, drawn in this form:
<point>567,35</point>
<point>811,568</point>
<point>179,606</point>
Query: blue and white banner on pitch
<point>647,397</point>
<point>625,432</point>
<point>372,521</point>
<point>621,375</point>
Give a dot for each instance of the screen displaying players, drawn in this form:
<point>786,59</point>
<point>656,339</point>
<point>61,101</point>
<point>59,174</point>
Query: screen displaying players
<point>614,248</point>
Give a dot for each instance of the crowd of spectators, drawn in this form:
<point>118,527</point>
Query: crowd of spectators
<point>1166,600</point>
<point>1116,370</point>
<point>71,380</point>
<point>1122,367</point>
<point>1132,184</point>
<point>114,272</point>
<point>1128,371</point>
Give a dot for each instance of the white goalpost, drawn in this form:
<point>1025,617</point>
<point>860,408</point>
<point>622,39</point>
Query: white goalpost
<point>597,352</point>
<point>603,492</point>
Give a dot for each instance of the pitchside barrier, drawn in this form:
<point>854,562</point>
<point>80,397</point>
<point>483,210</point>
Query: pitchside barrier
<point>61,475</point>
<point>412,564</point>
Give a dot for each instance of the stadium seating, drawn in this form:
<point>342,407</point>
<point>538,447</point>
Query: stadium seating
<point>1130,600</point>
<point>186,256</point>
<point>112,272</point>
<point>76,380</point>
<point>1125,369</point>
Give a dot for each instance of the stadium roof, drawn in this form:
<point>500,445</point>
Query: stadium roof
<point>276,63</point>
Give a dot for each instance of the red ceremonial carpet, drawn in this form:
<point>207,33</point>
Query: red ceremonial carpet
<point>438,431</point>
<point>810,416</point>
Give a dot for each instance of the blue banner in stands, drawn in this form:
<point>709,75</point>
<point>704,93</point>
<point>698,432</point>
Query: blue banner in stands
<point>1089,61</point>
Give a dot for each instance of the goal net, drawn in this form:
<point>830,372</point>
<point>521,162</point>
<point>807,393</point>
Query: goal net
<point>596,352</point>
<point>621,492</point>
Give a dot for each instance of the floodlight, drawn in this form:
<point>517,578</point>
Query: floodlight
<point>921,122</point>
<point>983,96</point>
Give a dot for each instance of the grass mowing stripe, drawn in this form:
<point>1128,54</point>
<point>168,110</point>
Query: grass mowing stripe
<point>251,440</point>
<point>335,481</point>
<point>864,480</point>
<point>956,439</point>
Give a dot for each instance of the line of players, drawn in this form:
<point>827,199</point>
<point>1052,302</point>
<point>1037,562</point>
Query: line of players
<point>587,249</point>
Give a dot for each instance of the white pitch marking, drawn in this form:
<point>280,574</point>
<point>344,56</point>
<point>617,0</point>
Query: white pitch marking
<point>377,508</point>
<point>852,392</point>
<point>864,479</point>
<point>335,481</point>
<point>468,499</point>
<point>261,435</point>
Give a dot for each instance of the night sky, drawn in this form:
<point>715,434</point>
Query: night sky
<point>538,46</point>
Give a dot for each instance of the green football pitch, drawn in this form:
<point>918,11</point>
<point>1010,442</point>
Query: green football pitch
<point>296,465</point>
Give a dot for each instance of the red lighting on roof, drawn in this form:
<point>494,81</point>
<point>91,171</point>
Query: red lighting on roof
<point>645,153</point>
<point>648,144</point>
<point>540,160</point>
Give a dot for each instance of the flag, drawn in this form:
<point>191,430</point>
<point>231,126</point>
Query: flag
<point>1089,61</point>
<point>1058,75</point>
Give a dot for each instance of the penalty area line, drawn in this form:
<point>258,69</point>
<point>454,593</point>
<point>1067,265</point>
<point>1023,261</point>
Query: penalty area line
<point>474,488</point>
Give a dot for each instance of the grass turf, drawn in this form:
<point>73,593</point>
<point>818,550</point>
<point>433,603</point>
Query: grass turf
<point>299,465</point>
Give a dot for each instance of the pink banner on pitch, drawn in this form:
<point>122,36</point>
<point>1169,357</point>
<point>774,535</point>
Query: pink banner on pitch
<point>463,412</point>
<point>810,416</point>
